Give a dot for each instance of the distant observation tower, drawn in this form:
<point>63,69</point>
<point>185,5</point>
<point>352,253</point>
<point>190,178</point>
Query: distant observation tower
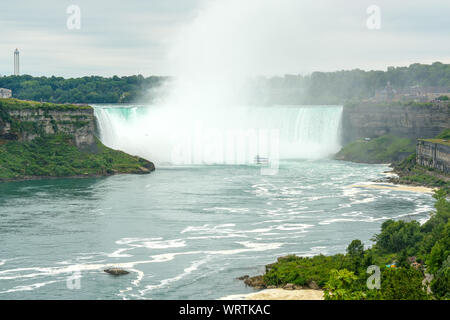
<point>16,62</point>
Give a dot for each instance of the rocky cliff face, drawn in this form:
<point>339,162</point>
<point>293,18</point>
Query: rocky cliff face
<point>27,124</point>
<point>433,155</point>
<point>409,121</point>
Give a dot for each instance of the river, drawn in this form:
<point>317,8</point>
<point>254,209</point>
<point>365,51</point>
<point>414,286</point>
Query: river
<point>186,231</point>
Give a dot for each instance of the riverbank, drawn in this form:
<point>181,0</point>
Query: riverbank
<point>279,294</point>
<point>393,186</point>
<point>426,167</point>
<point>408,172</point>
<point>403,252</point>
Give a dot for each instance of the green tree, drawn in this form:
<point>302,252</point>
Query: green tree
<point>340,286</point>
<point>400,284</point>
<point>441,282</point>
<point>396,236</point>
<point>355,252</point>
<point>356,249</point>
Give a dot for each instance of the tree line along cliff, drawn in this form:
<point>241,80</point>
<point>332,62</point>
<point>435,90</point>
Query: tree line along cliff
<point>316,88</point>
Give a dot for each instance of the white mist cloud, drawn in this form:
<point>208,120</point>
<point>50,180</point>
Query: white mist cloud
<point>289,36</point>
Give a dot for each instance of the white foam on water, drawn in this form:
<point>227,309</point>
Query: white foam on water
<point>230,235</point>
<point>363,219</point>
<point>118,253</point>
<point>30,287</point>
<point>149,243</point>
<point>131,241</point>
<point>206,228</point>
<point>175,243</point>
<point>225,209</point>
<point>294,226</point>
<point>193,267</point>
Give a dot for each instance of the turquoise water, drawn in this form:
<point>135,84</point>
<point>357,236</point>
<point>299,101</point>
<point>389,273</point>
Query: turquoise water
<point>184,232</point>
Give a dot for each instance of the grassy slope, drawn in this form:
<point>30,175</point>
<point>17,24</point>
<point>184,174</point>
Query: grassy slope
<point>57,156</point>
<point>16,104</point>
<point>383,149</point>
<point>442,138</point>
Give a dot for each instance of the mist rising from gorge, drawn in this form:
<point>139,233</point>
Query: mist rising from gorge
<point>216,60</point>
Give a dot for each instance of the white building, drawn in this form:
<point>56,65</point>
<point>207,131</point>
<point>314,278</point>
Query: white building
<point>5,93</point>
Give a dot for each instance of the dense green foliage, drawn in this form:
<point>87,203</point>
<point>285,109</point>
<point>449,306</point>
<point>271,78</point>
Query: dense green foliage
<point>399,243</point>
<point>441,282</point>
<point>444,134</point>
<point>302,270</point>
<point>338,283</point>
<point>383,149</point>
<point>316,88</point>
<point>399,235</point>
<point>80,90</point>
<point>57,156</point>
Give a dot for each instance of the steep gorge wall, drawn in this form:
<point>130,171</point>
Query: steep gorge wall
<point>433,155</point>
<point>409,121</point>
<point>27,124</point>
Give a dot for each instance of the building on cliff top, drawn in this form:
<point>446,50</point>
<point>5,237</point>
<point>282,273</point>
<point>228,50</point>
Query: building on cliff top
<point>5,93</point>
<point>413,93</point>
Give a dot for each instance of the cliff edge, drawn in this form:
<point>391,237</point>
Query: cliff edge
<point>45,140</point>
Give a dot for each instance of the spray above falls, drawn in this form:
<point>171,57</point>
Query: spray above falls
<point>207,117</point>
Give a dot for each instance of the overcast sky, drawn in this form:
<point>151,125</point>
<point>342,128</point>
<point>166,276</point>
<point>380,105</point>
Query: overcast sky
<point>262,37</point>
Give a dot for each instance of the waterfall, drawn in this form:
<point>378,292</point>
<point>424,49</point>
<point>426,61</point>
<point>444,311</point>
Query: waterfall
<point>232,135</point>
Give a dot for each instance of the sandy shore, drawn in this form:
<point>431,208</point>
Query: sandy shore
<point>391,186</point>
<point>279,294</point>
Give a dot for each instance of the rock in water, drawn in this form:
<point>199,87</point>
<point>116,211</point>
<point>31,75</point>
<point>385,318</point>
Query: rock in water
<point>116,271</point>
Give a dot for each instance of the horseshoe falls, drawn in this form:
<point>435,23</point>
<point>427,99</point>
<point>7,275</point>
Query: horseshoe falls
<point>233,135</point>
